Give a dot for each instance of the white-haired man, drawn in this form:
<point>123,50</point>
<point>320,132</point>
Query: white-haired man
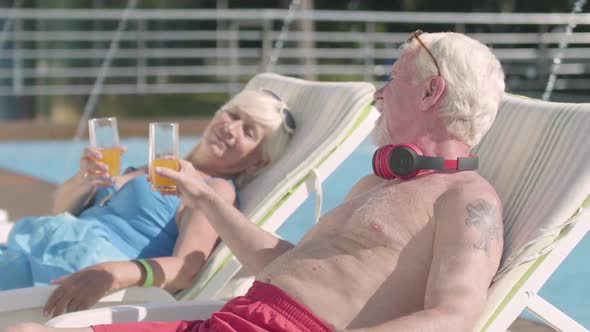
<point>414,253</point>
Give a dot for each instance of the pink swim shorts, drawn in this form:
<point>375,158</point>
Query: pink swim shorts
<point>264,308</point>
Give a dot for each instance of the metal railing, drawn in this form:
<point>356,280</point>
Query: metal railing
<point>59,52</point>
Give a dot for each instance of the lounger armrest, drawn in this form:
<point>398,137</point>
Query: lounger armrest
<point>139,294</point>
<point>24,298</point>
<point>36,297</point>
<point>155,311</point>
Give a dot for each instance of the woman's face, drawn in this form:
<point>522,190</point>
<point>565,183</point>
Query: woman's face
<point>233,139</point>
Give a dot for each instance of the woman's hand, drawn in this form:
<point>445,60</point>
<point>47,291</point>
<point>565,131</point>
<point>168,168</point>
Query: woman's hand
<point>79,291</point>
<point>190,184</point>
<point>92,170</point>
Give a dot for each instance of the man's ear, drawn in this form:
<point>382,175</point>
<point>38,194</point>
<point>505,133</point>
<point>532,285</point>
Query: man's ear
<point>433,90</point>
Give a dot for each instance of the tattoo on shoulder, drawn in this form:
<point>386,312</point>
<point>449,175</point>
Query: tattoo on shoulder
<point>482,215</point>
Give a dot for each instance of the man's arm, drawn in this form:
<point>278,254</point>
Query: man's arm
<point>253,246</point>
<point>466,255</point>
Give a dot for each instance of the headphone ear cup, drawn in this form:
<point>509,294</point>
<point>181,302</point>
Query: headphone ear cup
<point>380,163</point>
<point>404,161</point>
<point>375,163</point>
<point>397,161</point>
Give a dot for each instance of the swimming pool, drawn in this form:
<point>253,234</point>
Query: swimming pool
<point>55,161</point>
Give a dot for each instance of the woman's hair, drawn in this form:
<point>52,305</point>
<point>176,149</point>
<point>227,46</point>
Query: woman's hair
<point>265,109</point>
<point>474,82</point>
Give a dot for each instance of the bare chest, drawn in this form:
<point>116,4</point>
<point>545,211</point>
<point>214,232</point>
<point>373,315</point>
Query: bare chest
<point>390,215</point>
<point>380,240</point>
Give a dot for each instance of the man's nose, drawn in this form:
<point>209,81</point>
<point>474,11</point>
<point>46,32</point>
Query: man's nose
<point>379,93</point>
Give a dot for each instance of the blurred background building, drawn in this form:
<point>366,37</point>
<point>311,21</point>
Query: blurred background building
<point>143,59</point>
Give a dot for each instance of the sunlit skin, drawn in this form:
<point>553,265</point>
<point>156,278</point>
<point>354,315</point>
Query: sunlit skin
<point>408,117</point>
<point>231,142</point>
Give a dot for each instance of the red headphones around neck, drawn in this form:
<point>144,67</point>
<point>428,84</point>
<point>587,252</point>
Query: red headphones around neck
<point>405,161</point>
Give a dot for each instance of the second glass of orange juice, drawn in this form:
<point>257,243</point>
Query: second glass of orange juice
<point>163,152</point>
<point>104,136</point>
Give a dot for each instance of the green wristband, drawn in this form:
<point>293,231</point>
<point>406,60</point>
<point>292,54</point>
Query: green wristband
<point>149,274</point>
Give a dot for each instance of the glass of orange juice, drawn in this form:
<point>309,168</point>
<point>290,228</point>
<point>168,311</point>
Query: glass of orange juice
<point>163,152</point>
<point>104,136</point>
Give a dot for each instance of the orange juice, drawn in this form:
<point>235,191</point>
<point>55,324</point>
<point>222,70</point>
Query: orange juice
<point>160,183</point>
<point>112,157</point>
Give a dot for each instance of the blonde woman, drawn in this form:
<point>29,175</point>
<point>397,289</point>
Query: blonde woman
<point>107,235</point>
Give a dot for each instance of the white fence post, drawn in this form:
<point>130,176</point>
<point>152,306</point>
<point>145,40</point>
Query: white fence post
<point>17,65</point>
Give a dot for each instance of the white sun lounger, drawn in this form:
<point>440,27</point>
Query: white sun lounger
<point>332,120</point>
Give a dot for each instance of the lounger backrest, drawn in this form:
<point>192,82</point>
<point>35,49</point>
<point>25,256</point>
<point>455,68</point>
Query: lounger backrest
<point>324,113</point>
<point>537,157</point>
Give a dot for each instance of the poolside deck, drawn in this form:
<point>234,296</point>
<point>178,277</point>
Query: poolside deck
<point>22,195</point>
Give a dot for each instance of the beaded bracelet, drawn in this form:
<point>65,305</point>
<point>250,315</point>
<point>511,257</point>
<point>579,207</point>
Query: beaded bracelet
<point>149,274</point>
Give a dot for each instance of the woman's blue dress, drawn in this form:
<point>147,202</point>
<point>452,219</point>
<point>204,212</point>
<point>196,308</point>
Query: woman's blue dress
<point>134,223</point>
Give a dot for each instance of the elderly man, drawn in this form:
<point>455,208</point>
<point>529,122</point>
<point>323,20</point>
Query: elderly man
<point>414,249</point>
